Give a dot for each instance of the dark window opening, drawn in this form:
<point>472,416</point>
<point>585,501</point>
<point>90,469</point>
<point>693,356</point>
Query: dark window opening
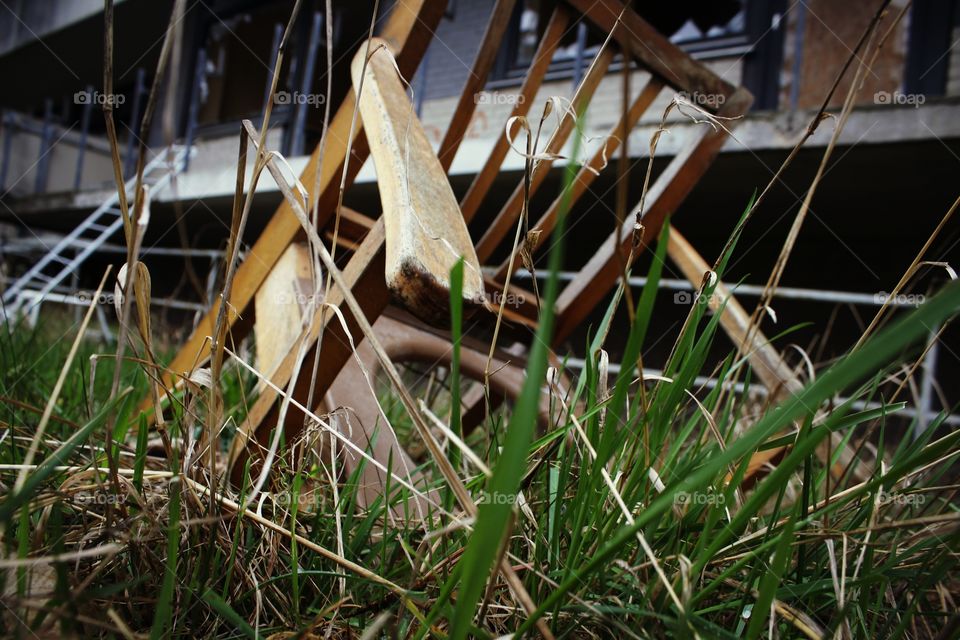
<point>239,48</point>
<point>239,53</point>
<point>705,29</point>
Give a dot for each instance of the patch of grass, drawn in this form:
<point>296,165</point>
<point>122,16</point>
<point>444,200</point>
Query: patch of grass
<point>635,513</point>
<point>628,516</point>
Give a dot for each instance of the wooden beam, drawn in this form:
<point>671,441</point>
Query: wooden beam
<point>407,31</point>
<point>652,49</point>
<point>476,81</point>
<point>601,272</point>
<point>425,233</point>
<point>528,92</point>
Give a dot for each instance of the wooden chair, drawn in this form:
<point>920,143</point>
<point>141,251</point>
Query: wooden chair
<point>406,33</point>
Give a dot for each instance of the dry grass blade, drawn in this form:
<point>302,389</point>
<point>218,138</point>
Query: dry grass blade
<point>241,214</point>
<point>911,270</point>
<point>349,444</point>
<point>849,102</point>
<point>305,542</point>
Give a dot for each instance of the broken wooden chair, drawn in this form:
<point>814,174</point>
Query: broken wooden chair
<point>407,252</point>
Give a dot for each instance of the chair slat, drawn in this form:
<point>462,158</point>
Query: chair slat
<point>511,210</point>
<point>651,49</point>
<point>593,282</point>
<point>425,233</point>
<point>489,45</point>
<point>588,173</point>
<point>531,84</point>
<point>364,275</point>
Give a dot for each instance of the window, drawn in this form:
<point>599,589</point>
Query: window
<point>705,29</point>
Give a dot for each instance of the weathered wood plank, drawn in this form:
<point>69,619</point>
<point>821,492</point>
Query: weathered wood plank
<point>364,276</point>
<point>279,304</point>
<point>425,232</point>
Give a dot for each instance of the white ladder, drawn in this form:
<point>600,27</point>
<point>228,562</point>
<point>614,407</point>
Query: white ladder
<point>88,236</point>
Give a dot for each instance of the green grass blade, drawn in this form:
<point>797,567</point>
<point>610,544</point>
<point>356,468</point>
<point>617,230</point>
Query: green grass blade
<point>494,513</point>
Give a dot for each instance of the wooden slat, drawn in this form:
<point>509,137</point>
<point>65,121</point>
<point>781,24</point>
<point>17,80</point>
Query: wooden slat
<point>364,276</point>
<point>511,210</point>
<point>528,92</point>
<point>279,305</point>
<point>476,81</point>
<point>425,233</point>
<point>588,173</point>
<point>652,50</point>
<point>353,224</point>
<point>408,31</point>
<point>596,279</point>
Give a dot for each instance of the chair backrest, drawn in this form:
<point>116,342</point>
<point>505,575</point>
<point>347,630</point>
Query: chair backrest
<point>408,32</point>
<point>669,69</point>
